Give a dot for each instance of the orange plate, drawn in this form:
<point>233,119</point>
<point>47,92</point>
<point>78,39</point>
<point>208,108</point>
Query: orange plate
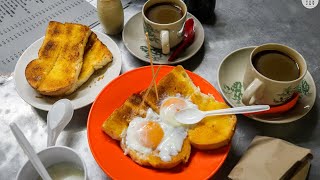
<point>109,155</point>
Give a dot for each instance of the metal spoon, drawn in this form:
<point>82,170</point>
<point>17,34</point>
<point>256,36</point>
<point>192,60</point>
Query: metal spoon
<point>32,155</point>
<point>58,117</point>
<point>193,116</point>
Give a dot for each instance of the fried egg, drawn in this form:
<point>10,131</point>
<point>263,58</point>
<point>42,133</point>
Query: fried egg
<point>150,134</point>
<point>159,133</point>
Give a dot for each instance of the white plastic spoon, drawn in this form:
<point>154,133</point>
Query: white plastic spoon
<point>193,116</point>
<point>58,117</point>
<point>27,148</point>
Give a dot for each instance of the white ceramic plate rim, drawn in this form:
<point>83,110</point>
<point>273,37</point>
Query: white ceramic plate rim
<point>255,117</point>
<point>90,89</point>
<point>199,34</point>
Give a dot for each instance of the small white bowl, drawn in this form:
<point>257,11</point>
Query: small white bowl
<point>50,156</point>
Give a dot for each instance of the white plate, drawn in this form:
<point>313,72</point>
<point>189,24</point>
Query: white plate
<point>134,40</point>
<point>230,76</point>
<point>81,97</point>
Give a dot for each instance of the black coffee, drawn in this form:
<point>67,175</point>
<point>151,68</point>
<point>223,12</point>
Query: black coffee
<point>164,13</point>
<point>276,65</point>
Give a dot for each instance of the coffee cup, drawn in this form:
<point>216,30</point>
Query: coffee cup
<point>273,74</point>
<point>163,20</point>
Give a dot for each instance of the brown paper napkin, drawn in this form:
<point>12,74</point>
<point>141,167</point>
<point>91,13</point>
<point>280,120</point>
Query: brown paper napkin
<point>269,158</point>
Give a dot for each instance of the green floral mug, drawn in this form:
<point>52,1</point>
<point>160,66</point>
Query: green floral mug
<point>260,89</point>
<point>164,36</point>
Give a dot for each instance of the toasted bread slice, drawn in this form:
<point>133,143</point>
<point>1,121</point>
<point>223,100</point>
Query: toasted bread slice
<point>119,120</point>
<point>175,82</point>
<point>96,56</point>
<point>38,69</point>
<point>64,74</point>
<point>155,161</point>
<point>212,132</point>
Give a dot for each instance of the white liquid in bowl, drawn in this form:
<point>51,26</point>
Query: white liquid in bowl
<point>65,171</point>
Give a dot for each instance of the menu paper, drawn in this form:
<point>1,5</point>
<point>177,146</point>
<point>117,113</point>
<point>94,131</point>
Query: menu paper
<point>270,158</point>
<point>22,22</point>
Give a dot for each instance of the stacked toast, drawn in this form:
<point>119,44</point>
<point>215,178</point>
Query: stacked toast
<point>69,55</point>
<point>211,133</point>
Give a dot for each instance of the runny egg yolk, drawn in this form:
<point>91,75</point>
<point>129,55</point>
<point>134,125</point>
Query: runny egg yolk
<point>169,108</point>
<point>177,102</point>
<point>150,134</point>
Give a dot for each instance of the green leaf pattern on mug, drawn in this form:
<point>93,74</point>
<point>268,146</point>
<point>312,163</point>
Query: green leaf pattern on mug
<point>303,89</point>
<point>151,32</point>
<point>156,53</point>
<point>235,91</point>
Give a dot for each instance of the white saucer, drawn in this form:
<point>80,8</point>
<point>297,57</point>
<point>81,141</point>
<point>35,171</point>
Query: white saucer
<point>230,76</point>
<point>134,40</point>
<point>85,95</point>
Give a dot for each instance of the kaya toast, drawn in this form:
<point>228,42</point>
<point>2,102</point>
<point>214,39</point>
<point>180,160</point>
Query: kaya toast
<point>58,71</point>
<point>96,56</point>
<point>48,53</point>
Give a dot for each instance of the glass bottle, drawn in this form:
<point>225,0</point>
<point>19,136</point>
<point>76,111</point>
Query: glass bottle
<point>110,13</point>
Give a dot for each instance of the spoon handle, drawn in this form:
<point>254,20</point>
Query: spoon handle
<point>27,148</point>
<point>238,110</point>
<point>52,137</point>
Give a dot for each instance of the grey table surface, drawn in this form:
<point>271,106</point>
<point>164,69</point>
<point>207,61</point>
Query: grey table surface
<point>236,24</point>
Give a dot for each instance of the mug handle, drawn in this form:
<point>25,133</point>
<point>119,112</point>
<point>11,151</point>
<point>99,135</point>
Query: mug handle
<point>248,95</point>
<point>164,38</point>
